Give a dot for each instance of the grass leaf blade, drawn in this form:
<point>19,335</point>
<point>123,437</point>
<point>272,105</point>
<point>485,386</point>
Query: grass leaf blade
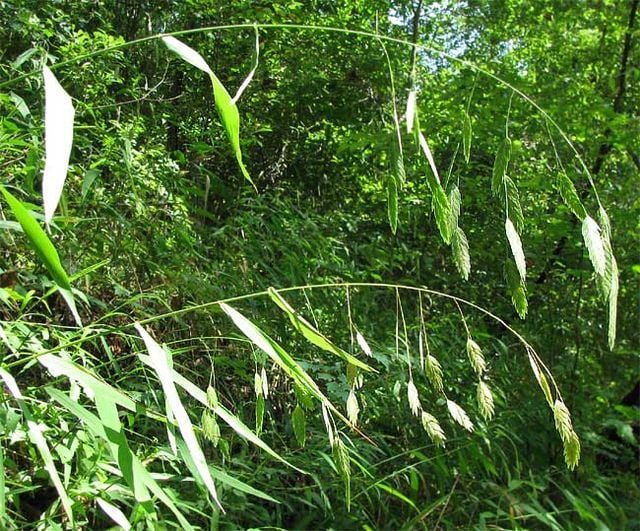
<point>58,140</point>
<point>158,359</point>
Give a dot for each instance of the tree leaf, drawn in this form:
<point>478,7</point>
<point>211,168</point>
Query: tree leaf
<point>44,249</point>
<point>227,109</point>
<point>594,244</point>
<point>466,137</point>
<point>158,358</point>
<point>58,139</point>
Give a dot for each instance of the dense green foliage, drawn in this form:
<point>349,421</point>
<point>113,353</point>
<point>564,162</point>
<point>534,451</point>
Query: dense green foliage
<point>364,292</point>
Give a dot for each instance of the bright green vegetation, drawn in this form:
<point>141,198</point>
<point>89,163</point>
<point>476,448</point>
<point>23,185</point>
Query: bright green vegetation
<point>319,265</point>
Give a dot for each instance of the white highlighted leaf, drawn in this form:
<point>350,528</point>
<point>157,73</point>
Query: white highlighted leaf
<point>187,53</point>
<point>158,358</point>
<point>516,248</point>
<point>593,241</point>
<point>58,139</point>
<point>427,153</point>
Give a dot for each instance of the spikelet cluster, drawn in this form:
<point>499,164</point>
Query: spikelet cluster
<point>433,429</point>
<point>476,358</point>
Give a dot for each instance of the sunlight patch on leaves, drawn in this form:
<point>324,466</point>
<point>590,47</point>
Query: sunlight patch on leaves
<point>58,140</point>
<point>595,247</point>
<point>459,415</point>
<point>516,249</point>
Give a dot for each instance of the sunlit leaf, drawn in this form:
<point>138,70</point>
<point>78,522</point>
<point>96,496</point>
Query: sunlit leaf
<point>516,249</point>
<point>34,431</point>
<point>58,139</point>
<point>312,334</point>
<point>159,362</point>
<point>44,249</point>
<point>595,247</point>
<point>227,109</point>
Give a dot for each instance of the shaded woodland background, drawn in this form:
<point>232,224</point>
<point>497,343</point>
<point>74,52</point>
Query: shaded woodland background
<point>157,210</point>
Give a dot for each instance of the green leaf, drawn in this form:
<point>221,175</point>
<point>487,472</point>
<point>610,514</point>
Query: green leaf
<point>298,420</point>
<point>460,249</point>
<point>231,420</point>
<point>442,211</point>
<point>226,107</point>
<point>98,429</point>
<point>58,139</point>
<point>312,334</point>
<point>114,513</point>
<point>44,249</point>
<point>516,249</point>
<point>92,385</point>
<point>540,378</point>
<point>34,431</point>
<point>517,288</point>
<point>466,137</point>
<point>500,165</point>
<point>158,358</point>
<point>455,203</point>
<point>569,195</point>
<point>392,203</point>
<point>512,203</point>
<point>411,110</point>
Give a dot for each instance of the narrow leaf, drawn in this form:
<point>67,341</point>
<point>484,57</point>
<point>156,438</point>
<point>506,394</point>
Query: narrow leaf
<point>516,249</point>
<point>227,109</point>
<point>58,139</point>
<point>392,203</point>
<point>312,334</point>
<point>114,513</point>
<point>247,80</point>
<point>44,249</point>
<point>298,420</point>
<point>466,137</point>
<point>411,109</point>
<point>159,363</point>
<point>34,431</point>
<point>595,247</point>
